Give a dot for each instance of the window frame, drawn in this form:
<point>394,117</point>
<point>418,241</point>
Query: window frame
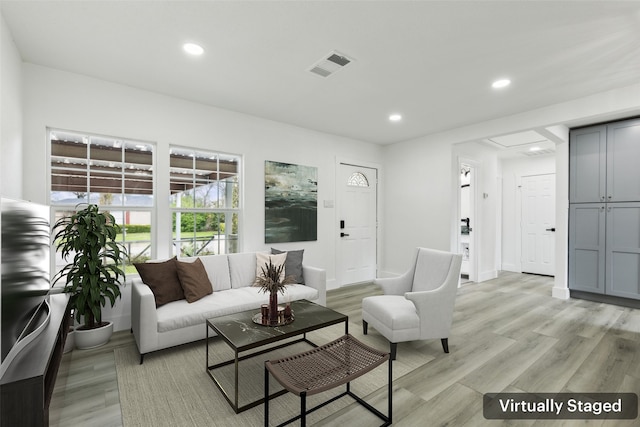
<point>119,209</point>
<point>231,244</point>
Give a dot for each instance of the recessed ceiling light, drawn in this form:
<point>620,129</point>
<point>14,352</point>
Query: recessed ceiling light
<point>499,84</point>
<point>395,117</point>
<point>193,49</point>
<point>534,149</point>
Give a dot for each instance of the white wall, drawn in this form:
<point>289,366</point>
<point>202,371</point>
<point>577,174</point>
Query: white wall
<point>64,100</point>
<point>11,115</point>
<point>418,184</point>
<point>417,190</point>
<point>513,170</point>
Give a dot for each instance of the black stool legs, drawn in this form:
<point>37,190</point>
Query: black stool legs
<point>266,400</point>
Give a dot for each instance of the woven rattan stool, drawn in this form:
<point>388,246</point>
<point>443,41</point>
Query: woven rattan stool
<point>323,368</point>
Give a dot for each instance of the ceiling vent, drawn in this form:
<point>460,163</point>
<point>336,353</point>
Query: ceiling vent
<point>330,64</point>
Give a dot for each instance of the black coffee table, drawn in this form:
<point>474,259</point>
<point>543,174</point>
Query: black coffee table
<point>242,334</point>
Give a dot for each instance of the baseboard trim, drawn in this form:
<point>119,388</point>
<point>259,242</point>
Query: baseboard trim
<point>511,267</point>
<point>608,299</point>
<point>560,293</point>
<point>487,275</point>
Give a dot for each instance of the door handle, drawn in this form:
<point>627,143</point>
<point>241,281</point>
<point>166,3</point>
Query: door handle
<point>343,234</point>
<point>551,229</point>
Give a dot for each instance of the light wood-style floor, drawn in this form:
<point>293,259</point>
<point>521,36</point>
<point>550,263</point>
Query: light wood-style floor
<point>509,335</point>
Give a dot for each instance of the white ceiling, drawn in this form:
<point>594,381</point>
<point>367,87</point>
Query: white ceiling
<point>431,61</point>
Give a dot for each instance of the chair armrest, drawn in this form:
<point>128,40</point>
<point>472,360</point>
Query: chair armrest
<point>316,278</point>
<point>144,318</point>
<point>395,285</point>
<point>435,307</point>
<point>426,301</point>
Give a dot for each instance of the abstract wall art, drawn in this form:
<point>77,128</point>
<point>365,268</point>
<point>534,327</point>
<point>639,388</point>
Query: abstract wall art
<point>291,202</point>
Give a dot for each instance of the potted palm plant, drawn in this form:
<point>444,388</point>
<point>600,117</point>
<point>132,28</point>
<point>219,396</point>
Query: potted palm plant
<point>93,276</point>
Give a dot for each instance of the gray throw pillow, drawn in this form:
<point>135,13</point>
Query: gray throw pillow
<point>293,264</point>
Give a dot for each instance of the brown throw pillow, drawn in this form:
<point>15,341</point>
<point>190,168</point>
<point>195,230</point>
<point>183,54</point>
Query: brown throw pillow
<point>162,278</point>
<point>194,280</point>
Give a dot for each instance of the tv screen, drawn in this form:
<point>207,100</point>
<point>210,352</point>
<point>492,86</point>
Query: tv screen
<point>25,280</point>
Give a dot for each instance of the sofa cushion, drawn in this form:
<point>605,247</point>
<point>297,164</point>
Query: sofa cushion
<point>194,280</point>
<point>181,314</point>
<point>293,264</point>
<point>263,258</point>
<point>162,278</point>
<point>242,269</point>
<point>217,268</point>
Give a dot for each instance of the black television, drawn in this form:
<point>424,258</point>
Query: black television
<point>25,280</point>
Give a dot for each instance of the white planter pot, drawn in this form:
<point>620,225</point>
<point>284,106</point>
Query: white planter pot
<point>93,337</point>
<point>70,342</point>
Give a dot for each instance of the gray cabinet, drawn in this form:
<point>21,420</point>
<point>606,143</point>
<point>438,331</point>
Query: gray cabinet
<point>623,250</point>
<point>587,239</point>
<point>603,163</point>
<point>623,161</point>
<point>604,210</point>
<point>587,165</point>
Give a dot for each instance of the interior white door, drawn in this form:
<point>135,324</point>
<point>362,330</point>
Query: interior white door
<point>357,216</point>
<point>538,224</point>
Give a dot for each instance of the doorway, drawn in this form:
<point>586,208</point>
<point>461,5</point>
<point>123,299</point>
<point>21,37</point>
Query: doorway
<point>357,190</point>
<point>468,219</point>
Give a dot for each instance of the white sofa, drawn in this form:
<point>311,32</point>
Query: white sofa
<point>232,277</point>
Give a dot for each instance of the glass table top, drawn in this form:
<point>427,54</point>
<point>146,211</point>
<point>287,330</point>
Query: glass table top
<point>241,333</point>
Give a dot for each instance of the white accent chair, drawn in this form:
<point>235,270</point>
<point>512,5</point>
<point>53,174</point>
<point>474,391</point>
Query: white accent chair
<point>417,305</point>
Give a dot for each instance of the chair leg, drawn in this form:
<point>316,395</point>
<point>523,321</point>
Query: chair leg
<point>445,344</point>
<point>394,349</point>
<point>303,409</point>
<point>365,327</point>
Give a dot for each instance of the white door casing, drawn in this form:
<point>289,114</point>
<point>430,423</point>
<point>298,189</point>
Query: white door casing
<point>357,224</point>
<point>538,224</point>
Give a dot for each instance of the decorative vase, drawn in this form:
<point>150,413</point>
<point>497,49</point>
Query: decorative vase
<point>90,338</point>
<point>273,308</point>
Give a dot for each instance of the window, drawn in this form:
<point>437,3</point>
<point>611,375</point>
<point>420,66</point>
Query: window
<point>114,173</point>
<point>205,201</point>
<point>358,179</point>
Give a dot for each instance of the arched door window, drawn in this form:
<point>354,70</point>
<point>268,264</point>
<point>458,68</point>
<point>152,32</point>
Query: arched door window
<point>358,179</point>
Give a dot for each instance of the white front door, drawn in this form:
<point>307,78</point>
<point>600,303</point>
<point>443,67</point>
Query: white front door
<point>538,224</point>
<point>357,224</point>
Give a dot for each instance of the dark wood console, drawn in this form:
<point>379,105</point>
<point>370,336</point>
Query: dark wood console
<point>27,385</point>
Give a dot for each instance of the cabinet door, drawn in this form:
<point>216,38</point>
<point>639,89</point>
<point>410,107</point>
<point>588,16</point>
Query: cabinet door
<point>623,250</point>
<point>587,247</point>
<point>587,164</point>
<point>623,154</point>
